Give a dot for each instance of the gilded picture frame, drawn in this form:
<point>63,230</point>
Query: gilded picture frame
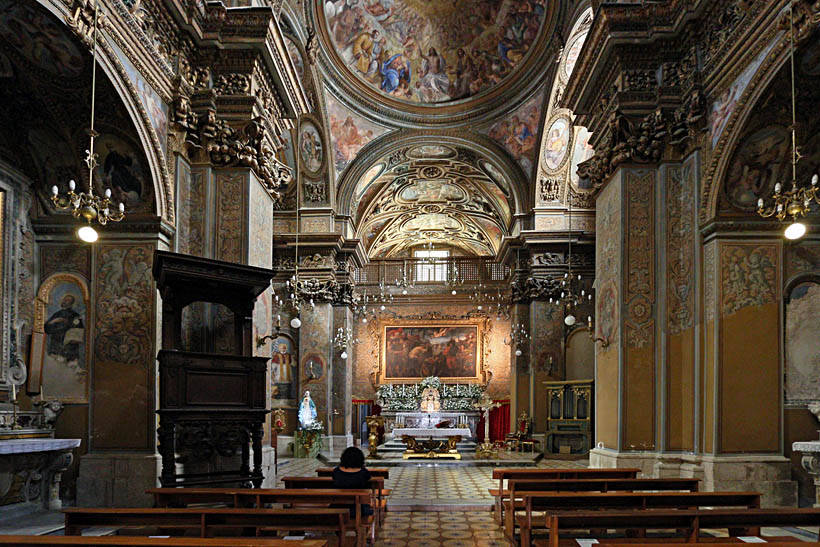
<point>453,350</point>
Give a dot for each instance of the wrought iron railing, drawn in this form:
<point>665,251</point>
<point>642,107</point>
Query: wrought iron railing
<point>416,271</point>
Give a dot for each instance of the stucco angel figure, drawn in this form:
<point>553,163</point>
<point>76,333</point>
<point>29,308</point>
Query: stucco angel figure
<point>307,411</point>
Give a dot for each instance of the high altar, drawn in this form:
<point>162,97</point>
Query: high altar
<point>430,417</point>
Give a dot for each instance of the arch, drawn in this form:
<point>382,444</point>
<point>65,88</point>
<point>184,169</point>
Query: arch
<point>729,138</point>
<point>394,141</point>
<point>149,140</point>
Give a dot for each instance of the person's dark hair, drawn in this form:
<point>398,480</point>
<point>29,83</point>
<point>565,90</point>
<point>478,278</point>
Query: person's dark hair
<point>352,458</point>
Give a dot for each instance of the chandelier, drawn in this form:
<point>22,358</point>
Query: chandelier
<point>344,339</point>
<point>518,338</point>
<point>572,286</point>
<point>794,203</point>
<point>88,205</point>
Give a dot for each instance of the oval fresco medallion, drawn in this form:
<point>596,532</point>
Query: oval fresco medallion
<point>556,144</point>
<point>432,51</point>
<point>311,150</point>
<point>581,152</point>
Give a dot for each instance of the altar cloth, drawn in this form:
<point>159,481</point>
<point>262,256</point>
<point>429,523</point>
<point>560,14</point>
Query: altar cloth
<point>432,432</point>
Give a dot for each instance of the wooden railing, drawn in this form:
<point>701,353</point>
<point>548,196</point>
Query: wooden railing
<point>467,271</point>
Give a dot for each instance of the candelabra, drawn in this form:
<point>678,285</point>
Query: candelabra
<point>796,202</point>
<point>455,281</point>
<point>344,339</point>
<point>88,205</point>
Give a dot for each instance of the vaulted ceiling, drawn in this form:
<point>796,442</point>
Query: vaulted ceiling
<point>432,193</point>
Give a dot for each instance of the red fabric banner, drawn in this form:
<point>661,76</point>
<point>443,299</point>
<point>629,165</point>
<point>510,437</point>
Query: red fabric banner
<point>499,423</point>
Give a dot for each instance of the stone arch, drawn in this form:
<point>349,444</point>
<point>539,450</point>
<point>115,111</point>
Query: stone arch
<point>116,73</point>
<point>391,142</point>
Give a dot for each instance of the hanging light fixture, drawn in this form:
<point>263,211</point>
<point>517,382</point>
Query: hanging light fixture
<point>88,205</point>
<point>518,338</point>
<point>343,340</point>
<point>572,291</point>
<point>794,203</point>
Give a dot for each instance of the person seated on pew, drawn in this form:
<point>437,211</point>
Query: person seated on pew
<point>352,474</point>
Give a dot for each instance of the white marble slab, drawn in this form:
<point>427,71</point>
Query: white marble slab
<point>806,446</point>
<point>24,446</point>
<point>431,432</point>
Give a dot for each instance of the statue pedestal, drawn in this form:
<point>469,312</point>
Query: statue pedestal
<point>307,443</point>
<point>811,463</point>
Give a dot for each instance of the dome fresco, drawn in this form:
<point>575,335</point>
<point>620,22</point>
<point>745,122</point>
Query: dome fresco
<point>432,51</point>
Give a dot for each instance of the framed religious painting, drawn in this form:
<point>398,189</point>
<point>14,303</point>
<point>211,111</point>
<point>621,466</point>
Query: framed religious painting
<point>283,368</point>
<point>60,349</point>
<point>452,350</point>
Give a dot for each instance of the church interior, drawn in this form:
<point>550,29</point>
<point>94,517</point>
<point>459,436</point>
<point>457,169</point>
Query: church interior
<point>549,270</point>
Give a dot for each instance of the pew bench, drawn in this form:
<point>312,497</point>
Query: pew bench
<point>208,521</point>
<point>383,472</point>
<point>142,541</point>
<point>508,473</point>
<point>588,485</point>
<point>378,501</point>
<point>260,497</point>
<point>736,522</point>
<point>643,502</point>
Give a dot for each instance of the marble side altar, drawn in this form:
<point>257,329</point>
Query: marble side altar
<point>811,463</point>
<point>31,470</point>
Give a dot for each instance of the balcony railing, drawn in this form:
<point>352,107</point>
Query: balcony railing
<point>418,271</point>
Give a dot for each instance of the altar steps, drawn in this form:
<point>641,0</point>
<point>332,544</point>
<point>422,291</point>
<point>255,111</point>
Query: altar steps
<point>394,448</point>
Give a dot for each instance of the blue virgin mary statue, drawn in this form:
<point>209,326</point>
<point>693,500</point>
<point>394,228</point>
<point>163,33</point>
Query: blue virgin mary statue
<point>307,411</point>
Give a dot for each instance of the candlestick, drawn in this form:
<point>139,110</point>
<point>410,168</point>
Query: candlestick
<point>13,392</point>
<point>278,321</point>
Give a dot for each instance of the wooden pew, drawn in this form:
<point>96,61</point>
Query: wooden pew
<point>591,485</point>
<point>141,541</point>
<point>379,501</point>
<point>207,520</point>
<point>259,497</point>
<point>736,522</point>
<point>551,502</point>
<point>383,472</point>
<point>507,473</point>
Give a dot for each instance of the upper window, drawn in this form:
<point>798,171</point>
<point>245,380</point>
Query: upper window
<point>434,268</point>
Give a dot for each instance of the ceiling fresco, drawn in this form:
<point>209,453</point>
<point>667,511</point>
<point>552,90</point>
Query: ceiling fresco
<point>432,193</point>
<point>45,72</point>
<point>349,132</point>
<point>432,51</point>
<point>518,132</point>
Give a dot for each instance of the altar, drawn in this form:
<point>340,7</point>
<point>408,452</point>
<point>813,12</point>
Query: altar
<point>467,419</point>
<point>436,442</point>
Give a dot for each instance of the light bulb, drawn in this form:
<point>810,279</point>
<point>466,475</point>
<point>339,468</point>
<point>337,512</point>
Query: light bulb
<point>72,185</point>
<point>344,355</point>
<point>108,193</point>
<point>295,322</point>
<point>569,320</point>
<point>814,179</point>
<point>122,207</point>
<point>404,291</point>
<point>55,190</point>
<point>777,188</point>
<point>479,307</point>
<point>796,230</point>
<point>87,234</point>
<point>364,319</point>
<point>760,203</point>
<point>381,307</point>
<point>453,292</point>
<point>518,353</point>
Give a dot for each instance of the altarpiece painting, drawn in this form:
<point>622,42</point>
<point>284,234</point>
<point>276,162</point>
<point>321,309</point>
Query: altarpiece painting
<point>450,350</point>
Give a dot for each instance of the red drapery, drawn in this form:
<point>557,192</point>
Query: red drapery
<point>499,422</point>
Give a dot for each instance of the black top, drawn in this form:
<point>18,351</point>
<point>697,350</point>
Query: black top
<point>356,480</point>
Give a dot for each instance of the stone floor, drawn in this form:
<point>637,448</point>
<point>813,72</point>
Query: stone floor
<point>446,506</point>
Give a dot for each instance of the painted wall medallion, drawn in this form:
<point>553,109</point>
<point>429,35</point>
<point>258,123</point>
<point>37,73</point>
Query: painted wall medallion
<point>311,148</point>
<point>581,152</point>
<point>61,316</point>
<point>556,144</point>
